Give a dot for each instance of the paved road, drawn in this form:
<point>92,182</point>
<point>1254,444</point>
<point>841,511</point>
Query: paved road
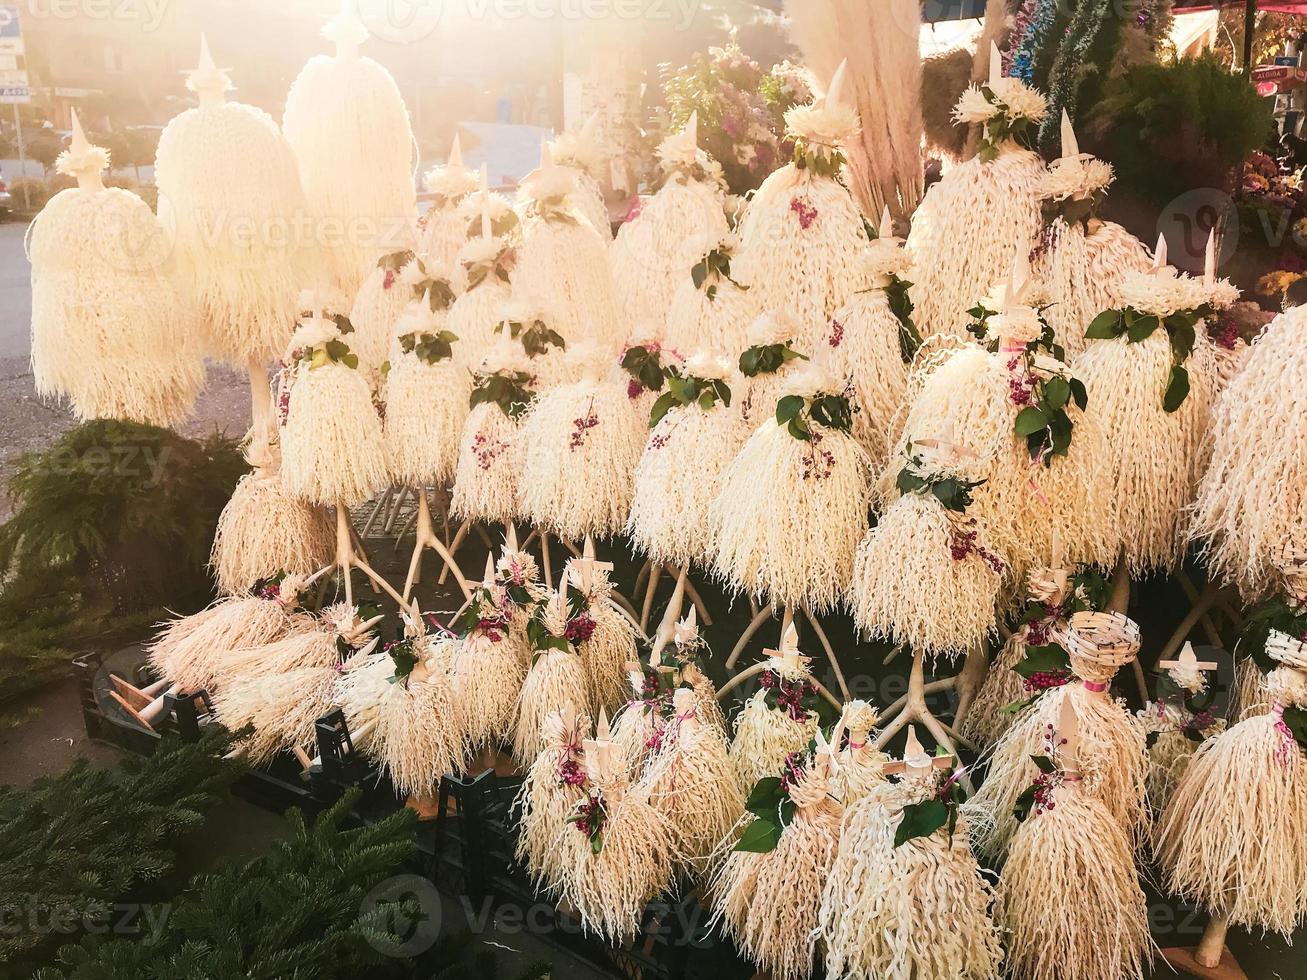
<point>25,422</point>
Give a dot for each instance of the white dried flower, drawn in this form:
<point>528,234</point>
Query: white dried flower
<point>973,107</point>
<point>1018,324</point>
<point>314,331</point>
<point>1223,294</point>
<point>505,357</point>
<point>496,204</point>
<point>1075,177</point>
<point>478,250</point>
<point>823,125</point>
<point>1161,292</point>
<point>1020,100</point>
<point>709,365</point>
<point>885,257</point>
<point>813,380</point>
<point>773,327</point>
<point>449,182</point>
<point>548,184</point>
<point>678,151</point>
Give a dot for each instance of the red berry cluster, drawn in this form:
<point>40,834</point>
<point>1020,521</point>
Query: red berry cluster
<point>806,212</point>
<point>492,628</point>
<point>1042,680</point>
<point>965,544</point>
<point>1226,333</point>
<point>1020,385</point>
<point>634,389</point>
<point>579,628</point>
<point>487,451</point>
<point>579,428</point>
<point>570,773</point>
<point>389,279</point>
<point>836,333</point>
<point>793,772</point>
<point>591,814</point>
<point>818,463</point>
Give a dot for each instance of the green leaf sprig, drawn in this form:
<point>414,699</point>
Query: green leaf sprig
<point>940,810</point>
<point>798,414</point>
<point>644,363</point>
<point>823,161</point>
<point>714,266</point>
<point>689,389</point>
<point>900,304</point>
<point>1137,327</point>
<point>541,640</point>
<point>536,338</point>
<point>1278,612</point>
<point>510,391</point>
<point>394,261</point>
<point>430,348</point>
<point>768,358</point>
<point>953,493</point>
<point>1002,127</point>
<point>1295,719</point>
<point>1044,422</point>
<point>404,655</point>
<point>334,351</point>
<point>772,808</point>
<point>500,267</point>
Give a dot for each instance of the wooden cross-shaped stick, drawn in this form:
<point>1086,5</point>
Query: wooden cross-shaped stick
<point>916,759</point>
<point>1188,660</point>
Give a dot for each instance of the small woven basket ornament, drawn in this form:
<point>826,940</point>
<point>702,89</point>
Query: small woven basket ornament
<point>1099,643</point>
<point>1291,563</point>
<point>1287,650</point>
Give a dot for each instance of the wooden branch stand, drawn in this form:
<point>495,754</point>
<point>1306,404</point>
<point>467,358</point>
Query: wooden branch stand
<point>787,619</point>
<point>1211,959</point>
<point>425,536</point>
<point>348,558</point>
<point>654,572</point>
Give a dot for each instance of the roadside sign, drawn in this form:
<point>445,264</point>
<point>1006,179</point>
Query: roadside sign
<point>15,95</point>
<point>11,30</point>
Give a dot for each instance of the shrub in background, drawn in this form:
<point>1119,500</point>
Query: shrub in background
<point>111,525</point>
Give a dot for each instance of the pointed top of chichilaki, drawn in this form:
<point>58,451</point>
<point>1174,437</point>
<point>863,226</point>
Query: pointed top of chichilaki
<point>835,90</point>
<point>209,82</point>
<point>455,152</point>
<point>346,30</point>
<point>1159,255</point>
<point>590,128</point>
<point>1209,259</point>
<point>486,228</point>
<point>886,229</point>
<point>691,129</point>
<point>995,63</point>
<point>1017,280</point>
<point>1070,145</point>
<point>79,144</point>
<point>914,753</point>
